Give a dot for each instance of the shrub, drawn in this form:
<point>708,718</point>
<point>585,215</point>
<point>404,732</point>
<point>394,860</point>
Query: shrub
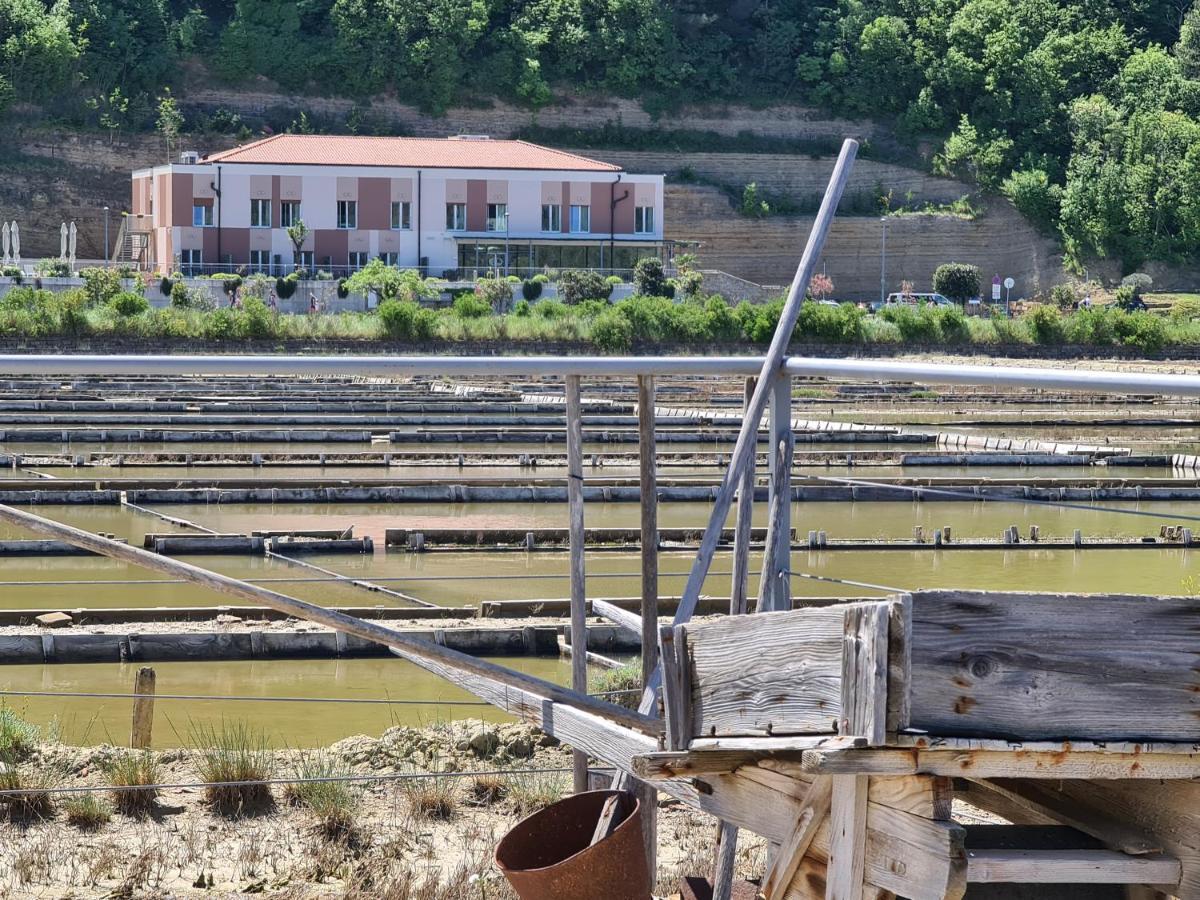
<point>1147,332</point>
<point>485,790</point>
<point>343,289</point>
<point>918,325</point>
<point>958,281</point>
<point>649,278</point>
<point>575,285</point>
<point>431,797</point>
<point>1034,196</point>
<point>285,287</point>
<point>720,323</point>
<point>952,323</point>
<point>841,324</point>
<point>1063,296</point>
<point>127,303</point>
<point>1139,282</point>
<point>472,306</point>
<point>612,281</point>
<point>1045,325</point>
<point>100,285</point>
<point>183,298</point>
<point>11,272</point>
<point>86,812</point>
<point>494,292</point>
<point>229,281</point>
<point>221,325</point>
<point>550,309</point>
<point>53,268</point>
<point>521,308</point>
<point>35,801</point>
<point>255,320</point>
<point>531,289</point>
<point>234,753</point>
<point>612,332</point>
<point>17,737</point>
<point>622,686</point>
<point>540,278</point>
<point>133,769</point>
<point>1091,326</point>
<point>72,312</point>
<point>404,320</point>
<point>166,285</point>
<point>534,791</point>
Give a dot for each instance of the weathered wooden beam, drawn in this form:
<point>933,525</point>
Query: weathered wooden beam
<point>899,652</point>
<point>693,763</point>
<point>774,586</point>
<point>1070,867</point>
<point>814,811</point>
<point>676,686</point>
<point>631,622</point>
<point>865,671</point>
<point>1014,763</point>
<point>578,582</point>
<point>143,709</point>
<point>743,526</point>
<point>648,483</point>
<point>367,630</point>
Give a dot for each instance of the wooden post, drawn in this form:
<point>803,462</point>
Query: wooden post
<point>742,529</point>
<point>143,709</point>
<point>647,452</point>
<point>774,585</point>
<point>648,459</point>
<point>578,597</point>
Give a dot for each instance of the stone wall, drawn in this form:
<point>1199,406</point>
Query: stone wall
<point>767,250</point>
<point>802,178</point>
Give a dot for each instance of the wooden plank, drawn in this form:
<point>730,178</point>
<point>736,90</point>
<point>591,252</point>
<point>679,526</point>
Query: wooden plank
<point>1069,867</point>
<point>674,691</point>
<point>938,742</point>
<point>723,871</point>
<point>981,796</point>
<point>143,709</point>
<point>367,630</point>
<point>847,838</point>
<point>899,697</point>
<point>769,674</point>
<point>578,583</point>
<point>1001,763</point>
<point>607,820</point>
<point>814,810</point>
<point>631,622</point>
<point>738,603</point>
<point>648,483</point>
<point>865,671</point>
<point>928,797</point>
<point>774,586</point>
<point>1035,666</point>
<point>692,763</point>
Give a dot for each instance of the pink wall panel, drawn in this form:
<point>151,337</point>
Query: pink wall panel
<point>601,197</point>
<point>374,204</point>
<point>476,204</point>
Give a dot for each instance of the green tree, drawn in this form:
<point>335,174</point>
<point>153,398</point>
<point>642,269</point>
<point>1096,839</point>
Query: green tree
<point>39,47</point>
<point>958,281</point>
<point>170,120</point>
<point>297,233</point>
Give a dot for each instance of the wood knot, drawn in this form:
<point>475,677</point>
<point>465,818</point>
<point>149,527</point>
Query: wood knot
<point>980,666</point>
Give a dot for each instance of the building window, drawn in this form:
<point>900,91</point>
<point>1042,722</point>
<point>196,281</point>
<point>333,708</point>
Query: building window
<point>497,217</point>
<point>305,261</point>
<point>202,215</point>
<point>401,215</point>
<point>358,259</point>
<point>260,260</point>
<point>456,217</point>
<point>581,219</point>
<point>643,220</point>
<point>551,217</point>
<point>289,213</point>
<point>192,261</point>
<point>347,214</point>
<point>390,259</point>
<point>260,213</point>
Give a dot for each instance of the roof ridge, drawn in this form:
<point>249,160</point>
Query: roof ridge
<point>563,152</point>
<point>241,147</point>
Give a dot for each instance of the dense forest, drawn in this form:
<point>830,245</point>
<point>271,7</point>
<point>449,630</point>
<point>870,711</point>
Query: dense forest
<point>1086,113</point>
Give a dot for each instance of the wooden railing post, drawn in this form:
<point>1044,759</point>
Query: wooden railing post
<point>774,592</point>
<point>143,709</point>
<point>648,459</point>
<point>741,533</point>
<point>578,595</point>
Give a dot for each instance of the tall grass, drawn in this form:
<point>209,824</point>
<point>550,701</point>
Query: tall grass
<point>234,752</point>
<point>133,768</point>
<point>332,803</point>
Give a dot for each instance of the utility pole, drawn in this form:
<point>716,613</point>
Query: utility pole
<point>883,262</point>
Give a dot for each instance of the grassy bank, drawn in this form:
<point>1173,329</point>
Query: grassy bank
<point>27,312</point>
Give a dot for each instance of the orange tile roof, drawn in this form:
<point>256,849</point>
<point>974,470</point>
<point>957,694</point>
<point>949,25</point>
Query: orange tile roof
<point>403,152</point>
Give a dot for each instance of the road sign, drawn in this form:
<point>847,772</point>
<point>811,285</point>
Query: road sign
<point>1009,283</point>
<point>996,288</point>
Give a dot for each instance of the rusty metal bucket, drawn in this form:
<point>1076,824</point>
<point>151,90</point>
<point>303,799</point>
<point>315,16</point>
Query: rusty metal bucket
<point>547,856</point>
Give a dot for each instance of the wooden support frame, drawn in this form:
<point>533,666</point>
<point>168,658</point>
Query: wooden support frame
<point>676,686</point>
<point>647,625</point>
<point>578,583</point>
<point>743,524</point>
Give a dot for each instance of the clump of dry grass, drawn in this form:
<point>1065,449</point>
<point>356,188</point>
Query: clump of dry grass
<point>234,753</point>
<point>87,812</point>
<point>431,797</point>
<point>34,800</point>
<point>533,791</point>
<point>133,769</point>
<point>484,790</point>
<point>332,803</point>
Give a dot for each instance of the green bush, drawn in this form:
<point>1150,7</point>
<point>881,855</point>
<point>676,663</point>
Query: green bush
<point>531,288</point>
<point>1147,332</point>
<point>952,323</point>
<point>1091,326</point>
<point>842,324</point>
<point>53,268</point>
<point>612,332</point>
<point>1035,196</point>
<point>495,292</point>
<point>649,278</point>
<point>472,306</point>
<point>285,287</point>
<point>541,278</point>
<point>918,325</point>
<point>100,285</point>
<point>221,325</point>
<point>165,285</point>
<point>1045,325</point>
<point>127,303</point>
<point>958,281</point>
<point>521,309</point>
<point>229,281</point>
<point>343,290</point>
<point>575,285</point>
<point>182,297</point>
<point>1063,296</point>
<point>405,320</point>
<point>255,320</point>
<point>1140,282</point>
<point>721,323</point>
<point>550,309</point>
